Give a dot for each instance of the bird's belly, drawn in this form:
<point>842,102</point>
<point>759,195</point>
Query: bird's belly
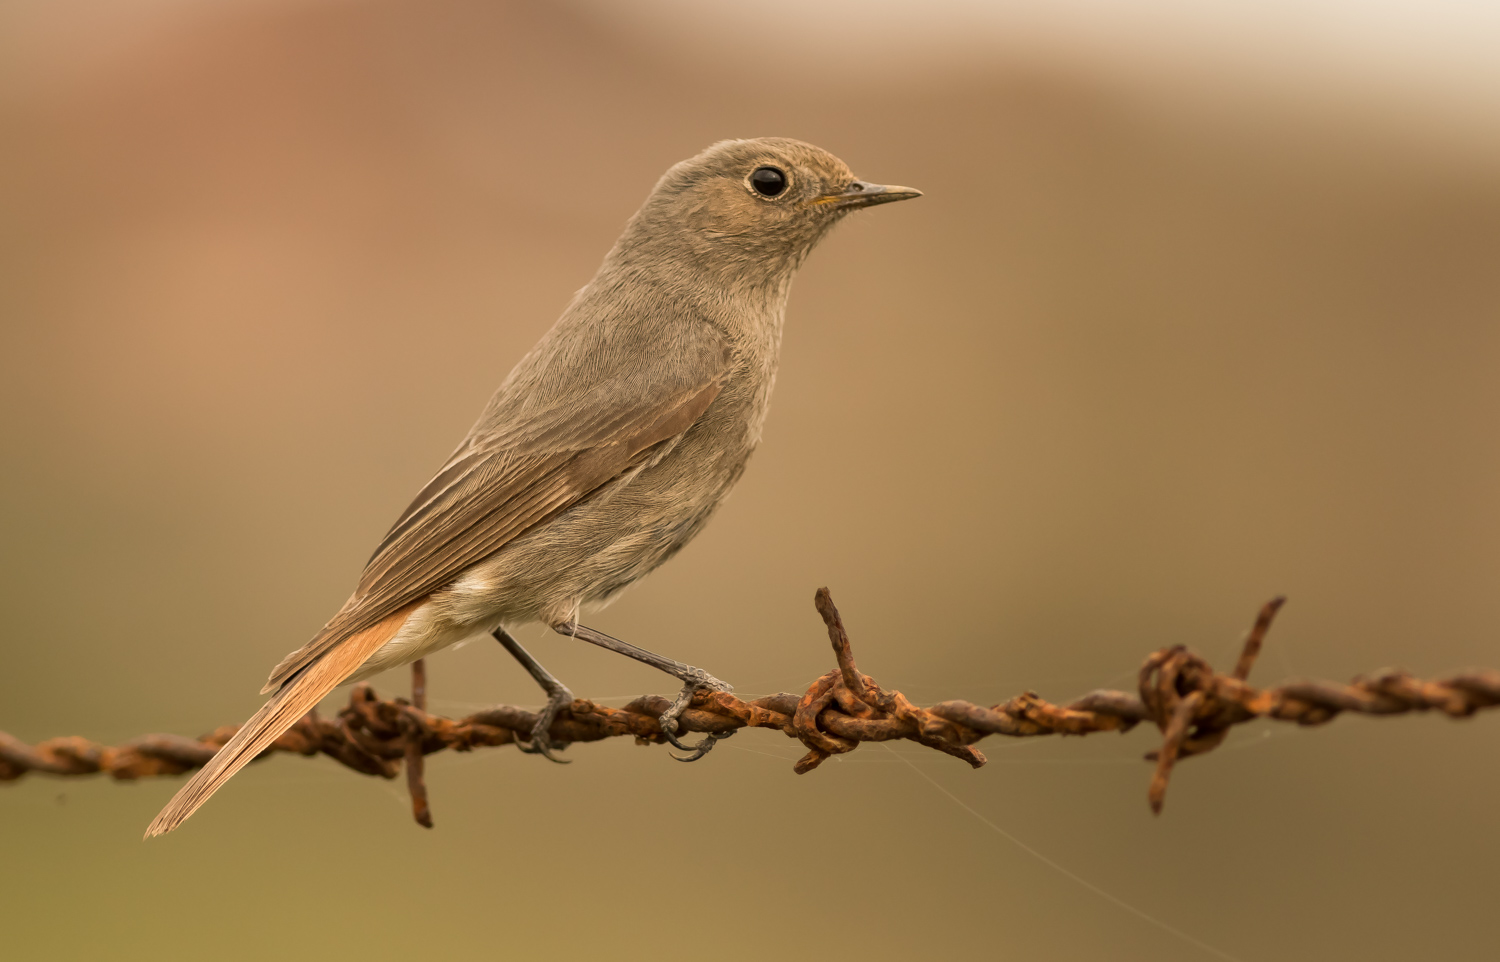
<point>595,548</point>
<point>584,555</point>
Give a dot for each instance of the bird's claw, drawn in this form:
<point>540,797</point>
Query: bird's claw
<point>541,733</point>
<point>695,681</point>
<point>695,752</point>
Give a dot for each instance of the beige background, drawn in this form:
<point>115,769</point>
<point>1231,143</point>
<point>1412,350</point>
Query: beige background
<point>1160,341</point>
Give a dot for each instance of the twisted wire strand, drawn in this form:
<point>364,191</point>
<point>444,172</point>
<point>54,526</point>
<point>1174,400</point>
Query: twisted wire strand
<point>1192,705</point>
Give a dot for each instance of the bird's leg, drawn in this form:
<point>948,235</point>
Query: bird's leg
<point>693,680</point>
<point>558,698</point>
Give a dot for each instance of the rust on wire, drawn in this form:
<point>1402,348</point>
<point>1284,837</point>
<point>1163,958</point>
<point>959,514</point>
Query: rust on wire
<point>1192,705</point>
<point>413,734</point>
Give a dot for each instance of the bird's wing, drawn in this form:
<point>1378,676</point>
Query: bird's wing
<point>496,487</point>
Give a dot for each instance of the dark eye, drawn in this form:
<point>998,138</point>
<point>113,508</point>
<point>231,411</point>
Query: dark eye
<point>768,181</point>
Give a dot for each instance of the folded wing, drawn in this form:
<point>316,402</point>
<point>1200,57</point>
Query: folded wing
<point>506,479</point>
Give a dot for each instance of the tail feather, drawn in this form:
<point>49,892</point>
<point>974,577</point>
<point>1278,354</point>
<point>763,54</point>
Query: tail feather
<point>293,701</point>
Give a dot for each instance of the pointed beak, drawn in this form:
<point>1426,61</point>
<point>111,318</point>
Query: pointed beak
<point>864,194</point>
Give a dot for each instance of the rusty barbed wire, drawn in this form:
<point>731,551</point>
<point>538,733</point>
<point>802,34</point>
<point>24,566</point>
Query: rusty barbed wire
<point>1192,705</point>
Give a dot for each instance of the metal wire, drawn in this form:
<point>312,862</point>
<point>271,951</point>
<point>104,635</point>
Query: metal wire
<point>1192,705</point>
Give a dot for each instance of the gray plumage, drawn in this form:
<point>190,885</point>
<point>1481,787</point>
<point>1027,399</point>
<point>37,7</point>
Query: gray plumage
<point>605,450</point>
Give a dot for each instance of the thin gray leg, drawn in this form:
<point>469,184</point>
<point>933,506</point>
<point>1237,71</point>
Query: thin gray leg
<point>693,680</point>
<point>558,698</point>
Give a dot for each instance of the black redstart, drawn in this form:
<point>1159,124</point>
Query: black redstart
<point>604,451</point>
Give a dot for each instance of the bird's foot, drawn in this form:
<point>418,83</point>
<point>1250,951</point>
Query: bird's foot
<point>558,698</point>
<point>694,681</point>
<point>541,733</point>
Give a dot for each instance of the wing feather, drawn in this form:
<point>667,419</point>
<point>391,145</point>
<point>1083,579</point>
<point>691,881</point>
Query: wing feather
<point>492,491</point>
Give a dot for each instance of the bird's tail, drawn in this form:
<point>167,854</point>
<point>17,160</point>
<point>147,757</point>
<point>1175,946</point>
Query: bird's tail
<point>290,703</point>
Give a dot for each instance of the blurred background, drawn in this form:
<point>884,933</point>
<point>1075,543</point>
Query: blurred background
<point>1200,306</point>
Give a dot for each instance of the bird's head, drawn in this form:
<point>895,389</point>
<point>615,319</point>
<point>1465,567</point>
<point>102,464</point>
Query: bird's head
<point>754,208</point>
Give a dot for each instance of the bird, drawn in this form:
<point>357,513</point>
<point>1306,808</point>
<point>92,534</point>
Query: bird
<point>603,452</point>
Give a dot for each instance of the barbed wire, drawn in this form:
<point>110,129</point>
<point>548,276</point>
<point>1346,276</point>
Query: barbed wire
<point>1192,705</point>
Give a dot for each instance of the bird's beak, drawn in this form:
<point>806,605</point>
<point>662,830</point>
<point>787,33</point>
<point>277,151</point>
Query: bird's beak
<point>863,194</point>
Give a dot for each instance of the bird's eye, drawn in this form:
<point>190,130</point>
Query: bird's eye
<point>768,181</point>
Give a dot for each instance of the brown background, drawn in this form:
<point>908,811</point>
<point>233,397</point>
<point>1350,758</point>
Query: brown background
<point>1152,348</point>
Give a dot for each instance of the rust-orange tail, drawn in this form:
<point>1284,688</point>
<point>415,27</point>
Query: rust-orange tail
<point>277,715</point>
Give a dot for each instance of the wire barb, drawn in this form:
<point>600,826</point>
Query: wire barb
<point>412,734</point>
<point>1192,705</point>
